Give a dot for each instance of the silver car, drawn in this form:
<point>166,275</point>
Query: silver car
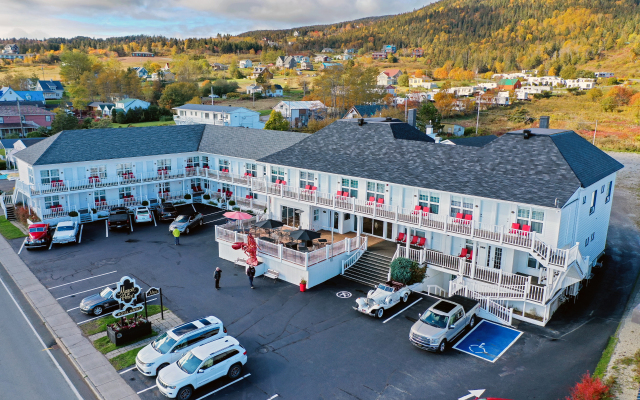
<point>66,232</point>
<point>186,222</point>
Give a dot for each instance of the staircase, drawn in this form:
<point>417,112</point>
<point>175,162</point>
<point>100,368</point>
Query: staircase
<point>370,269</point>
<point>11,212</point>
<point>85,216</point>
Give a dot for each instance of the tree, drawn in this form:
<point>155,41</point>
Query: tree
<point>177,94</point>
<point>568,72</point>
<point>63,122</point>
<point>403,80</point>
<point>79,97</point>
<point>594,94</point>
<point>392,59</point>
<point>73,65</point>
<point>406,271</point>
<point>277,122</point>
<point>101,123</point>
<point>609,104</point>
<point>428,114</point>
<point>590,388</point>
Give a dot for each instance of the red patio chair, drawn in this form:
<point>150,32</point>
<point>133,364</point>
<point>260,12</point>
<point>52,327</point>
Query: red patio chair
<point>463,252</point>
<point>339,193</point>
<point>525,230</point>
<point>380,202</point>
<point>372,199</point>
<point>416,210</point>
<point>219,190</point>
<point>470,255</point>
<point>459,217</point>
<point>422,242</point>
<point>278,181</point>
<point>467,218</point>
<point>345,194</point>
<point>314,188</point>
<point>401,238</point>
<point>200,189</point>
<point>426,210</point>
<point>514,227</point>
<point>414,240</point>
<point>307,187</point>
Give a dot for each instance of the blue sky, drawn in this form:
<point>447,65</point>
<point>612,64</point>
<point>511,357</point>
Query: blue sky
<point>181,18</point>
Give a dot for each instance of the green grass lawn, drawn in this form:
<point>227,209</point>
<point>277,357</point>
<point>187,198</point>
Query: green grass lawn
<point>264,112</point>
<point>8,230</point>
<point>104,345</point>
<point>140,124</point>
<point>3,152</point>
<point>100,325</point>
<point>601,368</point>
<point>125,359</point>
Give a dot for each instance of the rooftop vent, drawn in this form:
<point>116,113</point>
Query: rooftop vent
<point>544,122</point>
<point>527,133</point>
<point>360,121</point>
<point>388,119</point>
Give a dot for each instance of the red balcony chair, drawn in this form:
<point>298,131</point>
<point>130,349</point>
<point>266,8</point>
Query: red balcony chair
<point>339,193</point>
<point>200,189</point>
<point>514,228</point>
<point>219,190</point>
<point>416,210</point>
<point>194,188</point>
<point>307,187</point>
<point>206,167</point>
<point>380,202</point>
<point>426,211</point>
<point>345,194</point>
<point>372,199</point>
<point>467,218</point>
<point>470,255</point>
<point>525,228</point>
<point>422,242</point>
<point>414,240</point>
<point>226,170</point>
<point>248,197</point>
<point>401,238</point>
<point>104,203</point>
<point>463,252</point>
<point>278,181</point>
<point>459,217</point>
<point>314,188</point>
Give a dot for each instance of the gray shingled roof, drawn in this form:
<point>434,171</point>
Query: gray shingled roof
<point>210,108</point>
<point>475,141</point>
<point>510,168</point>
<point>246,143</point>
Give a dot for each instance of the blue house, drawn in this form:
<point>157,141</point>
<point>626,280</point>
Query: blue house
<point>390,48</point>
<point>8,94</point>
<point>141,71</point>
<point>51,89</point>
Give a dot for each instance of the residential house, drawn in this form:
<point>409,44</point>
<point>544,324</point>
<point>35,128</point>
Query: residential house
<point>422,82</point>
<point>344,57</point>
<point>33,96</point>
<point>296,33</point>
<point>12,146</point>
<point>327,50</point>
<point>520,253</point>
<point>219,67</point>
<point>166,67</point>
<point>389,49</point>
<point>163,75</point>
<point>141,71</point>
<point>23,119</point>
<point>365,111</point>
<point>509,84</point>
<point>287,62</point>
<point>190,114</point>
<point>488,85</point>
<point>129,104</point>
<point>10,48</point>
<point>51,90</point>
<point>245,64</point>
<point>300,58</point>
<point>389,77</point>
<point>419,52</point>
<point>321,58</point>
<point>379,55</point>
<point>389,89</point>
<point>604,74</point>
<point>326,65</point>
<point>464,91</point>
<point>299,113</point>
<point>261,71</point>
<point>254,88</point>
<point>349,51</point>
<point>141,54</point>
<point>306,65</point>
<point>452,129</point>
<point>98,106</point>
<point>272,91</point>
<point>581,83</point>
<point>545,80</point>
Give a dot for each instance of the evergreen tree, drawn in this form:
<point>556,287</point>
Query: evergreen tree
<point>277,122</point>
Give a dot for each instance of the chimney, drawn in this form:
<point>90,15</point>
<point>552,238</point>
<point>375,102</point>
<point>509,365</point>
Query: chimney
<point>544,122</point>
<point>527,133</point>
<point>437,139</point>
<point>388,119</point>
<point>411,119</point>
<point>429,131</point>
<point>360,121</point>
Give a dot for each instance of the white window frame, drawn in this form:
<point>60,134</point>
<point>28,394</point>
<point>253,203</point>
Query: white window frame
<point>47,174</point>
<point>307,178</point>
<point>594,199</point>
<point>531,216</point>
<point>100,195</point>
<point>277,173</point>
<point>127,190</point>
<point>350,186</point>
<point>459,204</point>
<point>205,161</point>
<point>223,163</point>
<point>193,161</point>
<point>124,168</point>
<point>32,180</point>
<point>99,171</point>
<point>51,201</point>
<point>375,190</point>
<point>609,188</point>
<point>431,200</point>
<point>251,168</point>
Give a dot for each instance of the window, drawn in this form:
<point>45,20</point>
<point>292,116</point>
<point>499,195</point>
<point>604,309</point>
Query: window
<point>125,192</point>
<point>124,168</point>
<point>47,118</point>
<point>586,242</point>
<point>164,163</point>
<point>461,205</point>
<point>223,164</point>
<point>99,196</point>
<point>50,201</point>
<point>207,364</point>
<point>306,178</point>
<point>593,236</point>
<point>205,161</point>
<point>584,199</point>
<point>431,200</point>
<point>497,258</point>
<point>32,180</point>
<point>1,120</point>
<point>251,169</point>
<point>196,182</point>
<point>206,115</point>
<point>350,186</point>
<point>375,190</point>
<point>290,216</point>
<point>224,356</point>
<point>277,173</point>
<point>594,196</point>
<point>532,262</point>
<point>46,176</point>
<point>316,215</point>
<point>608,198</point>
<point>193,162</point>
<point>532,217</point>
<point>165,187</point>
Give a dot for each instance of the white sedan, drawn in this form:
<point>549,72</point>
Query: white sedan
<point>142,214</point>
<point>66,232</point>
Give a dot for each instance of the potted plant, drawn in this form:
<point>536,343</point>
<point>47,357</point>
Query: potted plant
<point>145,203</point>
<point>206,197</point>
<point>93,210</point>
<point>187,196</point>
<point>232,203</point>
<point>162,200</point>
<point>128,330</point>
<point>303,285</point>
<point>73,213</point>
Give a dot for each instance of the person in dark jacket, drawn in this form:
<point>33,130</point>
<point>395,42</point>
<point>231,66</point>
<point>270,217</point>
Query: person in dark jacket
<point>251,272</point>
<point>216,276</point>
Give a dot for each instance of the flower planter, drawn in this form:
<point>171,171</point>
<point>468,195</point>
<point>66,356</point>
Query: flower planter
<point>124,336</point>
<point>303,287</point>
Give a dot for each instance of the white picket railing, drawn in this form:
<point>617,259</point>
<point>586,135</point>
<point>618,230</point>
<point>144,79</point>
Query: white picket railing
<point>348,263</point>
<point>501,312</point>
<point>436,290</point>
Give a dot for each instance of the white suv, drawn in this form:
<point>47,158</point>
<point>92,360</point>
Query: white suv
<point>171,345</point>
<point>142,214</point>
<point>202,365</point>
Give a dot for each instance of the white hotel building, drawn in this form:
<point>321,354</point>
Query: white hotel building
<point>517,223</point>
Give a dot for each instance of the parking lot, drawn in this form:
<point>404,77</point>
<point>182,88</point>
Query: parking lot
<point>313,345</point>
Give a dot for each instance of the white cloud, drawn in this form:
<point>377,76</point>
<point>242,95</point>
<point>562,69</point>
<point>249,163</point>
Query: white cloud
<point>182,18</point>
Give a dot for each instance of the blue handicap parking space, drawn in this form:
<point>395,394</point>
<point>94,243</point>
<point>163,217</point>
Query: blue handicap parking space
<point>488,340</point>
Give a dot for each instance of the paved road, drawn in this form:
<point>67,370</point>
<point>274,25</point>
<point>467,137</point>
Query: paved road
<point>28,370</point>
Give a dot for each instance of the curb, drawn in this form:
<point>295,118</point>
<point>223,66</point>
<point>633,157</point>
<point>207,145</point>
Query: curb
<point>63,329</point>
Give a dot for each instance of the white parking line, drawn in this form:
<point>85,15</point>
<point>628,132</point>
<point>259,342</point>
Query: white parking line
<point>219,389</point>
<point>131,223</point>
<point>85,291</point>
<point>153,217</point>
<point>106,227</point>
<point>80,280</point>
<point>51,244</point>
<point>399,312</point>
<point>274,396</point>
<point>88,320</point>
<point>21,247</point>
<point>213,213</point>
<point>71,309</point>
<point>194,208</point>
<point>215,220</point>
<point>64,375</point>
<point>149,388</point>
<point>80,239</point>
<point>127,370</point>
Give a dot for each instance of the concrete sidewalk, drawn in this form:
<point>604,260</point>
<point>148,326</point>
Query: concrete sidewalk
<point>101,377</point>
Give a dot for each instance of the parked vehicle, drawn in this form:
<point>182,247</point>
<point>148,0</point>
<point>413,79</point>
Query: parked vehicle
<point>119,218</point>
<point>174,343</point>
<point>66,232</point>
<point>167,212</point>
<point>39,236</point>
<point>385,295</point>
<point>202,365</point>
<point>142,214</point>
<point>185,223</point>
<point>443,322</point>
<point>98,303</point>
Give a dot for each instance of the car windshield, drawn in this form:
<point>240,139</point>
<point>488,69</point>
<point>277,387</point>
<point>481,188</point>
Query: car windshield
<point>182,218</point>
<point>106,293</point>
<point>385,288</point>
<point>189,363</point>
<point>143,211</point>
<point>168,208</point>
<point>65,228</point>
<point>433,319</point>
<point>36,230</point>
<point>163,344</point>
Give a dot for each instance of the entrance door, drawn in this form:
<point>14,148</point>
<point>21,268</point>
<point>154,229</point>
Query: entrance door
<point>494,259</point>
<point>372,227</point>
<point>336,221</point>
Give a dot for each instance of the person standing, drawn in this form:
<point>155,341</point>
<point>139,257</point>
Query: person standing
<point>216,276</point>
<point>251,272</point>
<point>176,234</point>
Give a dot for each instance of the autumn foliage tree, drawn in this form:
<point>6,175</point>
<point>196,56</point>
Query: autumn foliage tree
<point>590,388</point>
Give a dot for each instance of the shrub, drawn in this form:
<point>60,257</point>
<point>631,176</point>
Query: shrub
<point>187,196</point>
<point>162,200</point>
<point>73,213</point>
<point>145,203</point>
<point>406,271</point>
<point>3,165</point>
<point>232,203</point>
<point>166,118</point>
<point>590,388</point>
<point>206,197</point>
<point>22,213</point>
<point>236,208</point>
<point>93,210</point>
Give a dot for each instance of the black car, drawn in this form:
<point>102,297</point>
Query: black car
<point>97,304</point>
<point>167,212</point>
<point>119,218</point>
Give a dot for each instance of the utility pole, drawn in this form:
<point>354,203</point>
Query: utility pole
<point>594,134</point>
<point>20,116</point>
<point>212,95</point>
<point>478,117</point>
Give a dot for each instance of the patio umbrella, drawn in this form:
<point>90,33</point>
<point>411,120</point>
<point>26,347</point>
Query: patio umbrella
<point>303,234</point>
<point>269,224</point>
<point>237,215</point>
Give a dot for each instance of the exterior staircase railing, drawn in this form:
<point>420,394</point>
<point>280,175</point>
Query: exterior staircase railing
<point>501,312</point>
<point>348,263</point>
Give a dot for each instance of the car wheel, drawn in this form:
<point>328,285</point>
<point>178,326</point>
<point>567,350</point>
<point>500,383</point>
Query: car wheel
<point>405,297</point>
<point>97,311</point>
<point>380,312</point>
<point>472,321</point>
<point>443,346</point>
<point>185,393</point>
<point>186,231</point>
<point>160,368</point>
<point>235,371</point>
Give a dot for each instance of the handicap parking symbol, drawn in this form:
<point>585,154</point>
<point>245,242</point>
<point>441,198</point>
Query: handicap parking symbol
<point>343,294</point>
<point>488,341</point>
